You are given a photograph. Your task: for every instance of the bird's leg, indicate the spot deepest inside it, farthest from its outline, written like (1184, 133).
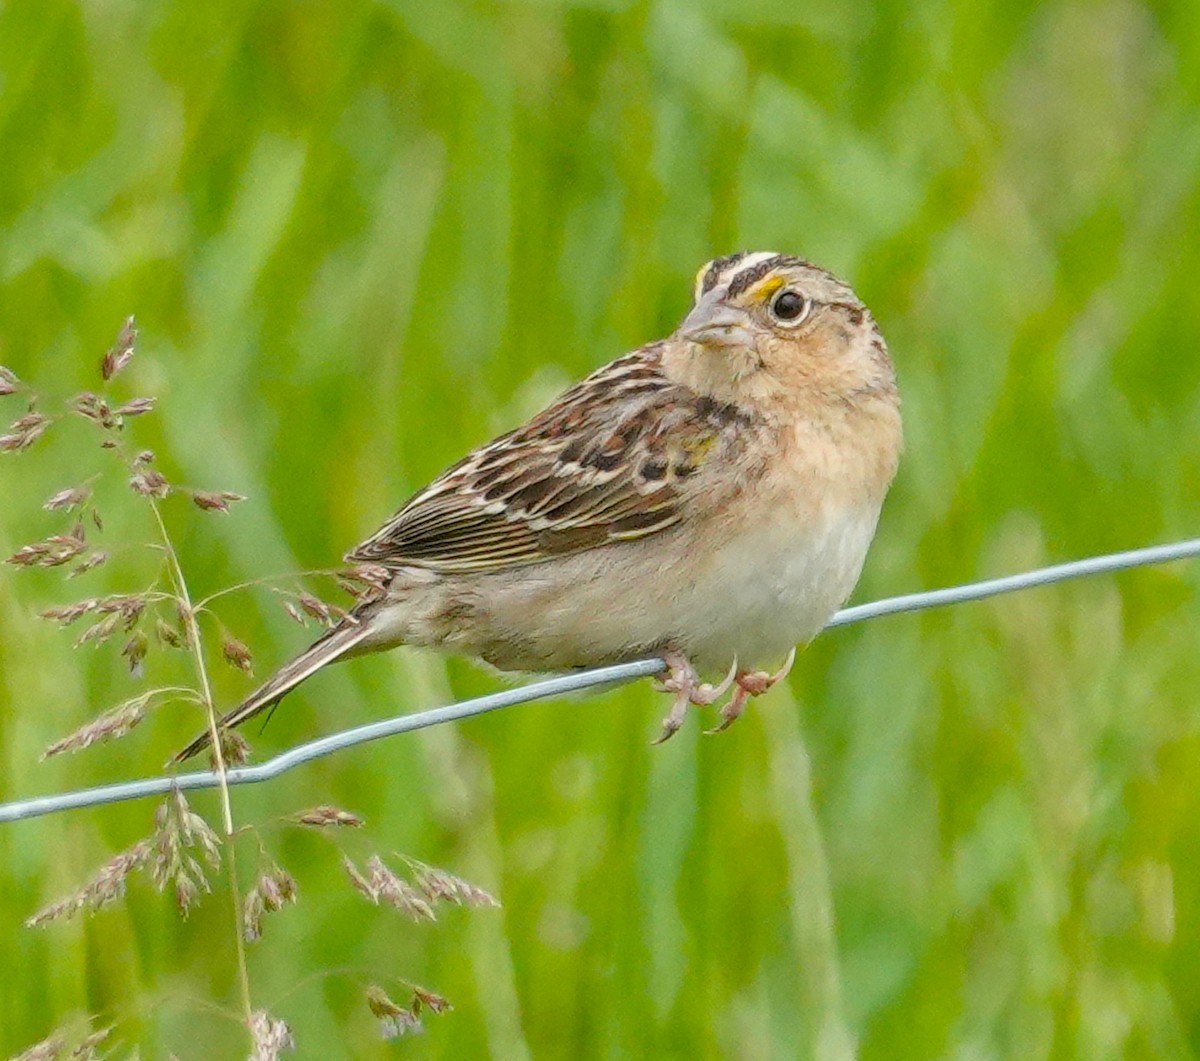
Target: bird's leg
(746, 685)
(684, 682)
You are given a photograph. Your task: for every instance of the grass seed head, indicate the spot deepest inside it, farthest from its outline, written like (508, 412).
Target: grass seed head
(237, 654)
(9, 384)
(112, 724)
(135, 407)
(215, 500)
(149, 483)
(438, 886)
(24, 432)
(121, 352)
(273, 890)
(93, 559)
(325, 815)
(54, 551)
(105, 886)
(167, 634)
(70, 498)
(270, 1035)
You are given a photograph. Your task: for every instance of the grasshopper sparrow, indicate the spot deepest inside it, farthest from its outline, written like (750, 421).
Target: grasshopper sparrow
(709, 498)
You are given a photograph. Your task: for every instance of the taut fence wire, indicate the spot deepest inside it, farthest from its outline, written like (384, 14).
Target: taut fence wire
(574, 682)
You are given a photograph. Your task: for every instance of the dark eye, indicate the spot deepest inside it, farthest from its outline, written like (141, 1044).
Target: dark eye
(789, 307)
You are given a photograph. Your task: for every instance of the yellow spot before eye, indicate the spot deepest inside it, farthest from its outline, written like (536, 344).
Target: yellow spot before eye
(767, 288)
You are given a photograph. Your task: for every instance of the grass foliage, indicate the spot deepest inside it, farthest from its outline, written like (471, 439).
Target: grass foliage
(360, 237)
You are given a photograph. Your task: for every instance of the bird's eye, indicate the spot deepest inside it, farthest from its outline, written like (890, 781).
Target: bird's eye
(790, 308)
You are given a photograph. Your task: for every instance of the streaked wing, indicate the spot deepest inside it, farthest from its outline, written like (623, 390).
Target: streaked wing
(608, 461)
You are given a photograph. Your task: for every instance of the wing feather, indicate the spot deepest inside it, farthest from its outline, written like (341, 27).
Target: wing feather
(609, 461)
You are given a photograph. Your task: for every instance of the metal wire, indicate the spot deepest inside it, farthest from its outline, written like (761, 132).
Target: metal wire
(587, 679)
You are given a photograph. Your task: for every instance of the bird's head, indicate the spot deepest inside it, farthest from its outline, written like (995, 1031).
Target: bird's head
(767, 325)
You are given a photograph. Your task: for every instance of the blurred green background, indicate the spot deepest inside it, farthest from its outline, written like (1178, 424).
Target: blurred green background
(362, 237)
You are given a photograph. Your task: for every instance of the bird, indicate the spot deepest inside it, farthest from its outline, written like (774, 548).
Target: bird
(708, 498)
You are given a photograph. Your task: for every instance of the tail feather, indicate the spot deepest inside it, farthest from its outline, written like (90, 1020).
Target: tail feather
(336, 643)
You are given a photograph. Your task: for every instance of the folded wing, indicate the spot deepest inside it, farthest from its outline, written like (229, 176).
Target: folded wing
(609, 461)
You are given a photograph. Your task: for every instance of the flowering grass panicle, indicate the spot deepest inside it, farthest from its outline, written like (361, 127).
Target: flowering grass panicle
(183, 853)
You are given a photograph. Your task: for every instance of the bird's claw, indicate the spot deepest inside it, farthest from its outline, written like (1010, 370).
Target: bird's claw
(683, 681)
(758, 682)
(732, 709)
(750, 683)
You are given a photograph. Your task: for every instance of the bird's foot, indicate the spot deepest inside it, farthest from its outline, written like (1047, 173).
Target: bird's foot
(683, 681)
(748, 684)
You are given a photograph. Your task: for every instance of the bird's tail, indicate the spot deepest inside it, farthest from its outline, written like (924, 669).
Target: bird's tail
(331, 646)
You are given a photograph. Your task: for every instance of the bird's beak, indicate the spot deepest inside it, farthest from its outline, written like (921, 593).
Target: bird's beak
(713, 324)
